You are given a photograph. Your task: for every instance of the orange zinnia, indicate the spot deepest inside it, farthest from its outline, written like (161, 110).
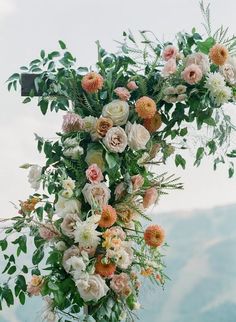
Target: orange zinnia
(92, 82)
(153, 124)
(154, 235)
(104, 270)
(108, 217)
(145, 107)
(219, 54)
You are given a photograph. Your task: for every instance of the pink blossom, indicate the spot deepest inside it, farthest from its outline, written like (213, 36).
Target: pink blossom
(137, 181)
(48, 232)
(94, 173)
(122, 93)
(119, 190)
(132, 86)
(150, 197)
(119, 283)
(169, 52)
(192, 74)
(169, 67)
(72, 123)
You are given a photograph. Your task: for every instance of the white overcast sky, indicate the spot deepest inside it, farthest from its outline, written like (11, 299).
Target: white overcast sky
(27, 26)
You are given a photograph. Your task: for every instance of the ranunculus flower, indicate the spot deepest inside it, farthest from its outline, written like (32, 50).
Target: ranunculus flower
(117, 110)
(92, 82)
(48, 231)
(103, 124)
(98, 194)
(72, 123)
(92, 289)
(199, 59)
(169, 67)
(137, 182)
(219, 54)
(94, 173)
(122, 93)
(169, 52)
(34, 176)
(95, 156)
(154, 236)
(105, 270)
(115, 139)
(150, 197)
(192, 74)
(145, 107)
(68, 225)
(138, 136)
(119, 282)
(35, 285)
(132, 86)
(108, 217)
(153, 124)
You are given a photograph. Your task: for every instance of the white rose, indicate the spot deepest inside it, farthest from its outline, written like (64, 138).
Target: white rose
(73, 153)
(115, 139)
(68, 184)
(65, 206)
(61, 246)
(138, 136)
(76, 264)
(96, 194)
(89, 123)
(34, 176)
(118, 111)
(92, 289)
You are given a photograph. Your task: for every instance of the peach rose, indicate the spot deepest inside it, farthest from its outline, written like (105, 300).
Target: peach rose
(122, 93)
(97, 193)
(132, 86)
(169, 52)
(150, 197)
(119, 282)
(192, 74)
(94, 173)
(103, 124)
(35, 285)
(169, 67)
(116, 139)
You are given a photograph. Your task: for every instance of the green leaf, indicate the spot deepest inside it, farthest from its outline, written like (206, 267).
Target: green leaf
(62, 44)
(179, 160)
(53, 286)
(231, 170)
(42, 54)
(3, 244)
(210, 121)
(43, 106)
(38, 255)
(199, 156)
(11, 270)
(8, 296)
(205, 46)
(22, 298)
(26, 100)
(13, 77)
(111, 160)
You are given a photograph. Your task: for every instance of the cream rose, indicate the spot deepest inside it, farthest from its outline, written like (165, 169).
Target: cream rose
(98, 194)
(138, 136)
(118, 111)
(115, 139)
(93, 288)
(65, 206)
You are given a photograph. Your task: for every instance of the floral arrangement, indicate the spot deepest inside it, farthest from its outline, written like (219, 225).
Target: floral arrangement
(123, 117)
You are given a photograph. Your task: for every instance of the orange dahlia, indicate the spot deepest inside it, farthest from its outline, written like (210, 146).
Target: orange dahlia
(145, 107)
(104, 270)
(154, 123)
(219, 54)
(108, 217)
(92, 82)
(154, 235)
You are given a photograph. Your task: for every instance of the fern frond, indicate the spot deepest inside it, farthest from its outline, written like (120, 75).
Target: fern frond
(206, 16)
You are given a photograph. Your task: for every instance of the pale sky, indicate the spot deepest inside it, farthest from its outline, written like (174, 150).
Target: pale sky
(27, 26)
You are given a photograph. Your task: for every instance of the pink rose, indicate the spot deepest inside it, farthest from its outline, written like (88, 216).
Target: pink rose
(122, 93)
(169, 67)
(72, 123)
(48, 232)
(137, 181)
(150, 197)
(192, 74)
(132, 86)
(169, 52)
(119, 283)
(94, 173)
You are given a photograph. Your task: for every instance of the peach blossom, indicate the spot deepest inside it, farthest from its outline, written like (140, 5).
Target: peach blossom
(132, 86)
(137, 181)
(122, 93)
(94, 173)
(169, 68)
(150, 197)
(192, 74)
(169, 52)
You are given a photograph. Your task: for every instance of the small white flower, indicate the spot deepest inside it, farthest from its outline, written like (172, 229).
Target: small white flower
(68, 184)
(136, 306)
(76, 264)
(70, 142)
(87, 235)
(61, 246)
(34, 176)
(223, 96)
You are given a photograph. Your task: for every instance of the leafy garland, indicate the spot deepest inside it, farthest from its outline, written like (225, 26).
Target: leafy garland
(134, 112)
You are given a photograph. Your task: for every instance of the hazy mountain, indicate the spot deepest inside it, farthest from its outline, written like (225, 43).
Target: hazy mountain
(201, 263)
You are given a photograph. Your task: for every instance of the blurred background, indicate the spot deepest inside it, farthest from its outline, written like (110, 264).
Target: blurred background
(200, 221)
